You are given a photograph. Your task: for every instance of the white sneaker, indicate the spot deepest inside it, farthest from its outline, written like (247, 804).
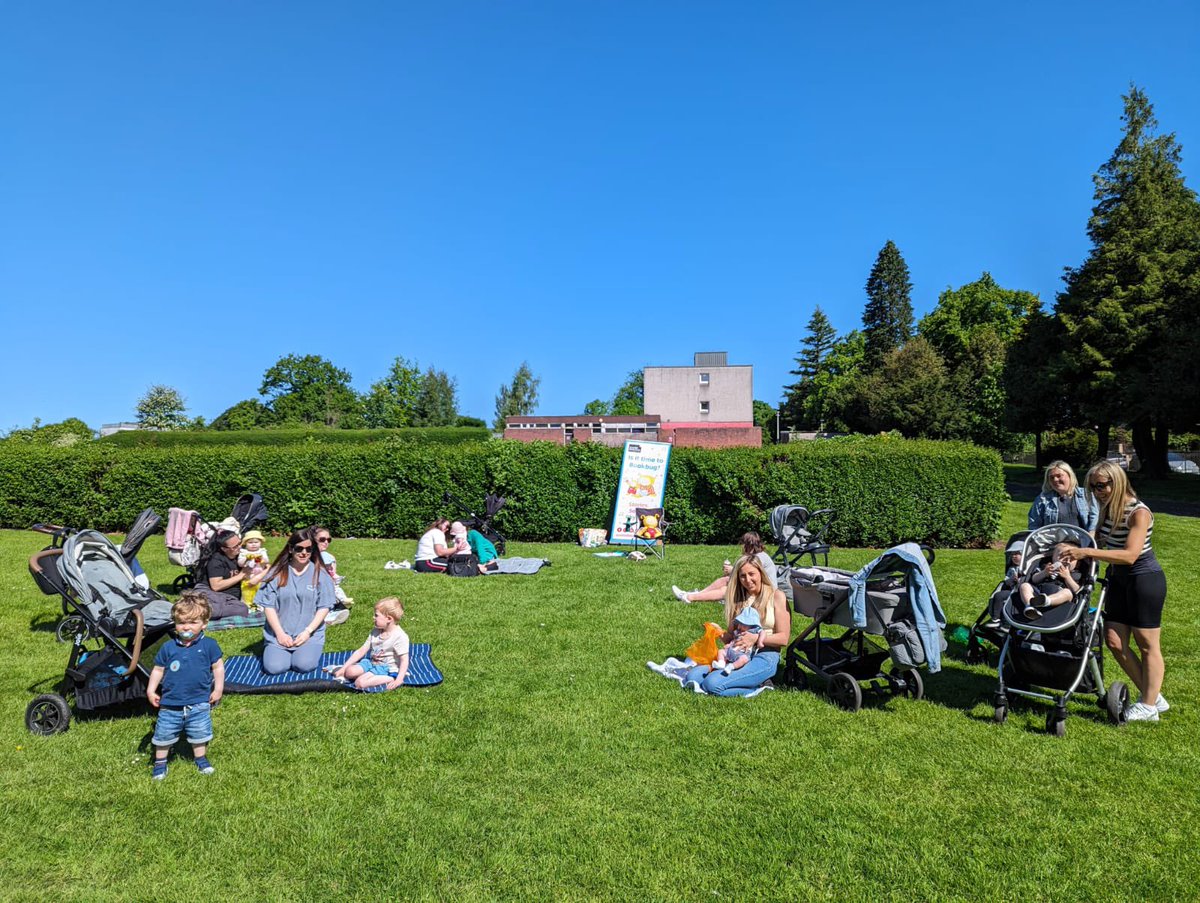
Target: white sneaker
(341, 616)
(1161, 705)
(391, 566)
(1139, 711)
(404, 566)
(679, 594)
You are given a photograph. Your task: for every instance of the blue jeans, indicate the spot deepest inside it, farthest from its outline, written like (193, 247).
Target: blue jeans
(749, 677)
(304, 658)
(196, 720)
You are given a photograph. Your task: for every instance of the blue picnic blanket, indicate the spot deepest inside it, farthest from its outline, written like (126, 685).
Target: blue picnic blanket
(244, 674)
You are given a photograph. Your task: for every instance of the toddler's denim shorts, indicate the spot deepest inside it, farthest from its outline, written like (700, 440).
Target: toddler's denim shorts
(195, 720)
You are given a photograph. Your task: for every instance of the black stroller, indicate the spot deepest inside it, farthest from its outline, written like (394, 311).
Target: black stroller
(492, 504)
(851, 662)
(110, 620)
(1057, 649)
(187, 540)
(990, 627)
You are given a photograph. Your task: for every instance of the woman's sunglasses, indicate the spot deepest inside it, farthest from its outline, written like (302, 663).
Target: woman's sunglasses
(302, 550)
(1095, 486)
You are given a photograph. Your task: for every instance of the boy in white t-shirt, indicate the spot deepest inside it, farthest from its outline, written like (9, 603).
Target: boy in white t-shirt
(383, 658)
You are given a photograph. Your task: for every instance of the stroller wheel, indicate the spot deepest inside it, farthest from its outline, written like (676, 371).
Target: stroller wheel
(914, 687)
(47, 714)
(1001, 714)
(845, 692)
(182, 582)
(1056, 724)
(1115, 701)
(73, 628)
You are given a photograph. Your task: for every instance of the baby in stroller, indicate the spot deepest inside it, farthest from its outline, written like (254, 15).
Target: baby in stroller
(729, 659)
(1055, 583)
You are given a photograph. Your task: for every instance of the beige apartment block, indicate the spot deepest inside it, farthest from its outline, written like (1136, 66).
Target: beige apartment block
(710, 391)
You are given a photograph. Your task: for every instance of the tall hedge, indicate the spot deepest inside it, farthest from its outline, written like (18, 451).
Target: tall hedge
(884, 490)
(437, 435)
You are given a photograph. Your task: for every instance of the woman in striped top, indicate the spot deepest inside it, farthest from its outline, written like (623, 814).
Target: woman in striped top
(1137, 587)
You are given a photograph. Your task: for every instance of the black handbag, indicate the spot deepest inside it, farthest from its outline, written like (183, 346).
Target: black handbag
(462, 566)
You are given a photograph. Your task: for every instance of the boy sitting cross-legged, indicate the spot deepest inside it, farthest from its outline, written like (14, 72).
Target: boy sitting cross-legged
(192, 676)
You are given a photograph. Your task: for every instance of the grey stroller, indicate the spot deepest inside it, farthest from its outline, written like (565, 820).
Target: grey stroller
(1057, 650)
(110, 620)
(885, 614)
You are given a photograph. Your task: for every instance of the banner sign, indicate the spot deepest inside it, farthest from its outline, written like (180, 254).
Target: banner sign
(642, 483)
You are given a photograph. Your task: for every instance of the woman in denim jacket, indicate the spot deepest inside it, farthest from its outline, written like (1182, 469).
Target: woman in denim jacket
(1063, 501)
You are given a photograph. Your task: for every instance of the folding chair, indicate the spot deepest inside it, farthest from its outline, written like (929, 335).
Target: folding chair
(651, 528)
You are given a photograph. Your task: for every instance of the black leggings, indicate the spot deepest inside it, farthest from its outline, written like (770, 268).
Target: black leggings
(1135, 600)
(430, 565)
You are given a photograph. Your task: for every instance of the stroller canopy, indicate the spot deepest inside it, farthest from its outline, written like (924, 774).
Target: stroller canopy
(249, 511)
(147, 522)
(101, 580)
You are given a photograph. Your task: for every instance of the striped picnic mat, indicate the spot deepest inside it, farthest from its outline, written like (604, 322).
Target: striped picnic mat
(244, 674)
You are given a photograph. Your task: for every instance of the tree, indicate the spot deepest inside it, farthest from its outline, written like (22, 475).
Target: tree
(910, 393)
(801, 407)
(1122, 308)
(971, 328)
(977, 307)
(518, 398)
(436, 403)
(250, 414)
(392, 400)
(764, 419)
(598, 407)
(310, 389)
(1033, 380)
(162, 408)
(630, 399)
(834, 394)
(888, 317)
(62, 435)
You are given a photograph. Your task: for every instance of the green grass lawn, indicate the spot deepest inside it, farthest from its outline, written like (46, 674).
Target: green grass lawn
(552, 765)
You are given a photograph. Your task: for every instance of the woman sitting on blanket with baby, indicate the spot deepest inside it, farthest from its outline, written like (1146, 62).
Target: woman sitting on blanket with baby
(750, 589)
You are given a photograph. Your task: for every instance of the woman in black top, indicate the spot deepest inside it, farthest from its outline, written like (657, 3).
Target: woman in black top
(219, 570)
(1137, 587)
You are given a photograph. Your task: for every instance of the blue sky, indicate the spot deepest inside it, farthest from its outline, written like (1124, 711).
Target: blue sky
(192, 190)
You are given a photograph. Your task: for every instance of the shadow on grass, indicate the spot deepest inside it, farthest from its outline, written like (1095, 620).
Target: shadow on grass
(45, 622)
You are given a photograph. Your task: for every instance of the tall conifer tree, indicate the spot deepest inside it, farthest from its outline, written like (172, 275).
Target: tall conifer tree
(888, 317)
(801, 405)
(1123, 307)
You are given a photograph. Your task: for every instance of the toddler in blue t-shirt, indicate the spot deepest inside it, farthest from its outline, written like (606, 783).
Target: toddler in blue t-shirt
(192, 676)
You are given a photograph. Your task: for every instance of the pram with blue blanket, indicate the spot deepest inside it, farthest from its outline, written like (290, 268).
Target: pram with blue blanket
(886, 614)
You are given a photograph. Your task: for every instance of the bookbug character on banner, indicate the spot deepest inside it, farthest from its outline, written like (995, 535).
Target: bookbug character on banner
(642, 484)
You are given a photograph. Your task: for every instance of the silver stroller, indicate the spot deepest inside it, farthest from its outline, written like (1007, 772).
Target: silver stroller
(1059, 651)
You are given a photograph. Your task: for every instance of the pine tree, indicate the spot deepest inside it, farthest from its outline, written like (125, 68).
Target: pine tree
(801, 406)
(888, 316)
(1123, 307)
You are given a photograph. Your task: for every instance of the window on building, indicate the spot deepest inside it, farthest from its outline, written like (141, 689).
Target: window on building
(704, 379)
(704, 407)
